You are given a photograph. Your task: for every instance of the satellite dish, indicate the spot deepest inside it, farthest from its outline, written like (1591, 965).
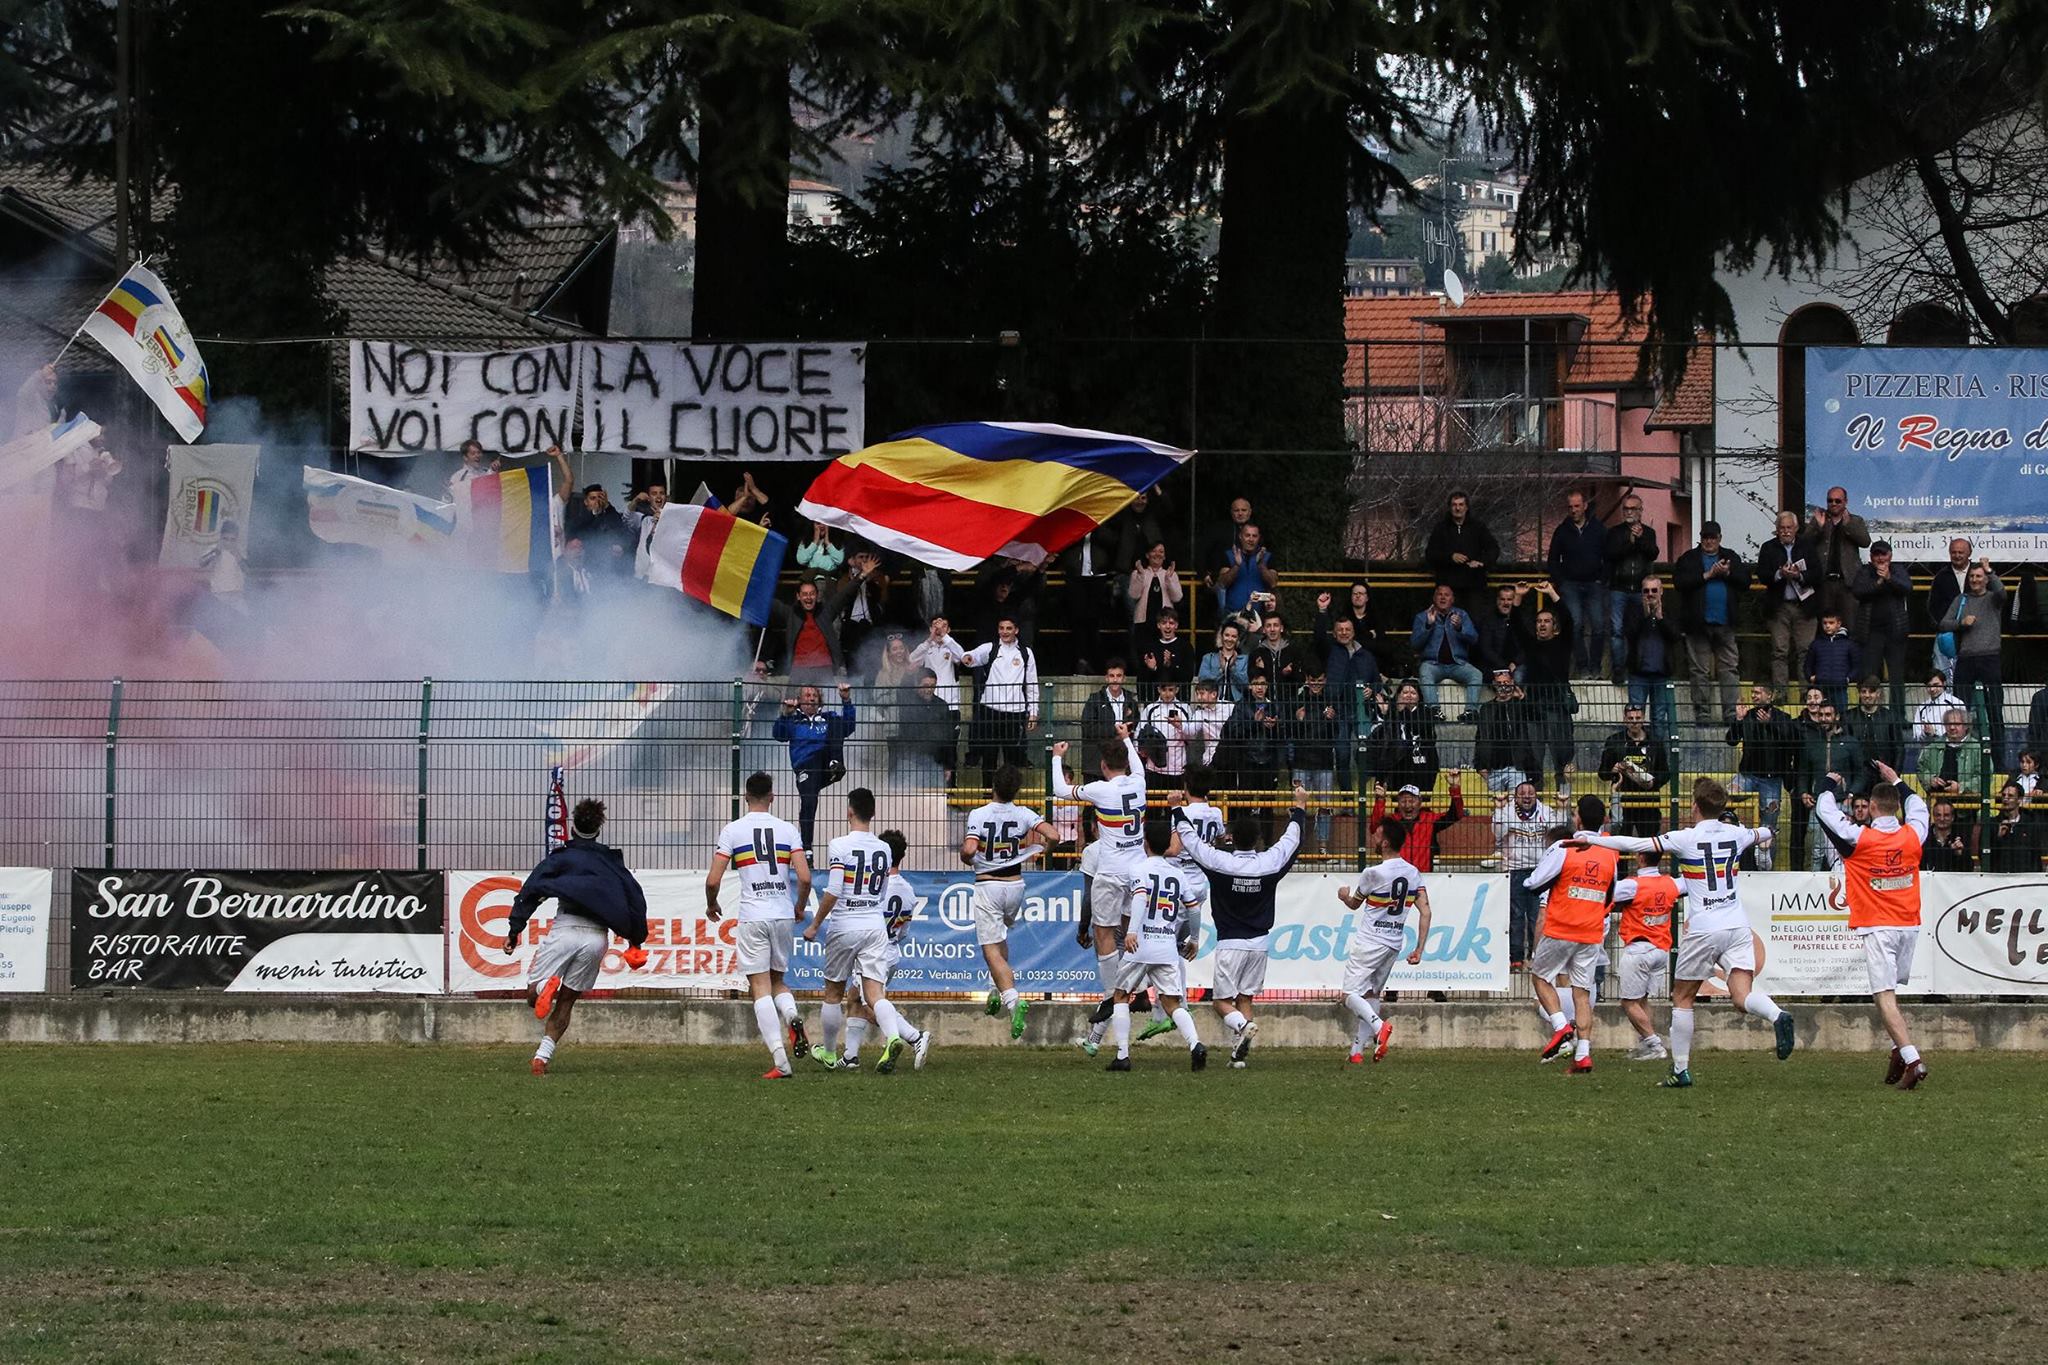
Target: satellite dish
(1454, 288)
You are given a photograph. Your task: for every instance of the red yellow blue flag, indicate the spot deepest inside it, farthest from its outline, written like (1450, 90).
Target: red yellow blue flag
(139, 326)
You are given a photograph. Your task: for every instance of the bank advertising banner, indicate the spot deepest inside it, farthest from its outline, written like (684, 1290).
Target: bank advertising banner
(1467, 948)
(24, 928)
(286, 932)
(1933, 443)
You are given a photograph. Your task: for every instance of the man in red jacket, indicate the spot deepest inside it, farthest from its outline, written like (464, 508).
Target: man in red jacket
(1423, 826)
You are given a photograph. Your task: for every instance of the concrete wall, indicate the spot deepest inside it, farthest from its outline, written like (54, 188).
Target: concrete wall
(1502, 1024)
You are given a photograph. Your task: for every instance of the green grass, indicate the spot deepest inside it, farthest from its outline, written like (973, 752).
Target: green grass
(176, 1170)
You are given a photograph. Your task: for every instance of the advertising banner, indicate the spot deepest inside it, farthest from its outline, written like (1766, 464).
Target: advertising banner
(293, 932)
(728, 400)
(1984, 935)
(1467, 947)
(24, 928)
(1933, 443)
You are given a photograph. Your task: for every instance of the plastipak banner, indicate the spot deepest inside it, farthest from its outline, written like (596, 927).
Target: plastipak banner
(1979, 934)
(1467, 948)
(287, 932)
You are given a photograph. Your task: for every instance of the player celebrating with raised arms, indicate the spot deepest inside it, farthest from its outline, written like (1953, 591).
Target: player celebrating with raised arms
(1386, 891)
(1580, 879)
(1247, 880)
(775, 883)
(595, 897)
(1119, 802)
(857, 944)
(1716, 928)
(1155, 943)
(1881, 878)
(1001, 837)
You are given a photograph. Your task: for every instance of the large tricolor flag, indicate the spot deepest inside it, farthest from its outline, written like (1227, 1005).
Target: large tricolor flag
(141, 329)
(953, 495)
(507, 520)
(718, 559)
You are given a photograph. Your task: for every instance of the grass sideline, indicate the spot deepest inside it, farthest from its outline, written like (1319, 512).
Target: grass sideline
(438, 1202)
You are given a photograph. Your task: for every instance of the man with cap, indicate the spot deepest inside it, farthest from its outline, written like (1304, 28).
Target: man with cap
(1711, 580)
(1422, 827)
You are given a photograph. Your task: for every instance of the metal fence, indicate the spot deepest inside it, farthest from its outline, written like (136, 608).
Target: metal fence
(453, 774)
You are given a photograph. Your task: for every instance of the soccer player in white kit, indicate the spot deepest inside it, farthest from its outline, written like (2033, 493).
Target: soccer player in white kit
(1715, 929)
(1001, 837)
(1386, 891)
(1155, 944)
(1207, 822)
(1119, 803)
(899, 908)
(857, 944)
(768, 854)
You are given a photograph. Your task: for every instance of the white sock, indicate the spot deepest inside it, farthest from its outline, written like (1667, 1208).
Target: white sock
(1650, 1037)
(1557, 1019)
(1120, 1023)
(770, 1025)
(1762, 1006)
(1234, 1021)
(1542, 1013)
(1096, 1030)
(1363, 1008)
(785, 1005)
(1010, 998)
(856, 1029)
(546, 1050)
(833, 1018)
(893, 1022)
(1158, 1010)
(1681, 1039)
(1185, 1022)
(1105, 972)
(1909, 1054)
(1582, 1049)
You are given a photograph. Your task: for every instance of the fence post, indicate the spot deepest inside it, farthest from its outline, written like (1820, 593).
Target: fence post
(113, 738)
(1677, 755)
(739, 726)
(1358, 772)
(420, 793)
(1981, 703)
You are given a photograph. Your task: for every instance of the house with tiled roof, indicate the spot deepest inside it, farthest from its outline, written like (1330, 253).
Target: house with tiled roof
(1520, 398)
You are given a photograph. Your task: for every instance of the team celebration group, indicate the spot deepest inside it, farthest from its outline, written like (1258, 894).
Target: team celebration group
(1152, 871)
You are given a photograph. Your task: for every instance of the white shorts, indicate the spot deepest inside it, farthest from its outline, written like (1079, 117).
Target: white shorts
(892, 960)
(1109, 901)
(863, 952)
(573, 949)
(1888, 953)
(1367, 968)
(1558, 956)
(765, 945)
(995, 907)
(1133, 976)
(1645, 969)
(1239, 973)
(1698, 954)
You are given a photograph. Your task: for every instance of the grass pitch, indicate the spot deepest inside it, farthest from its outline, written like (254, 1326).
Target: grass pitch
(201, 1203)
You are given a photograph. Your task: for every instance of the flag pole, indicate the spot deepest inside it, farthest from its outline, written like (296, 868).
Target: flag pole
(79, 330)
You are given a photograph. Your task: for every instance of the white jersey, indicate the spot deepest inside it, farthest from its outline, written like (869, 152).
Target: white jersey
(1207, 822)
(1389, 890)
(1707, 855)
(760, 848)
(1159, 901)
(1119, 814)
(1091, 858)
(899, 906)
(858, 875)
(999, 830)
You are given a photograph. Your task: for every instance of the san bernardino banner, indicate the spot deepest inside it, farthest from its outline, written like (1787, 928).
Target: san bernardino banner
(24, 928)
(1467, 949)
(288, 932)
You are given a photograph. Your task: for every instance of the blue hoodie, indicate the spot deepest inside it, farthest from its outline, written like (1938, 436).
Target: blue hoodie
(589, 879)
(811, 738)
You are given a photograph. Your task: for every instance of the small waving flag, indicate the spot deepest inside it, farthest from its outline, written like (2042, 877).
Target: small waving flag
(718, 559)
(953, 495)
(508, 520)
(139, 326)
